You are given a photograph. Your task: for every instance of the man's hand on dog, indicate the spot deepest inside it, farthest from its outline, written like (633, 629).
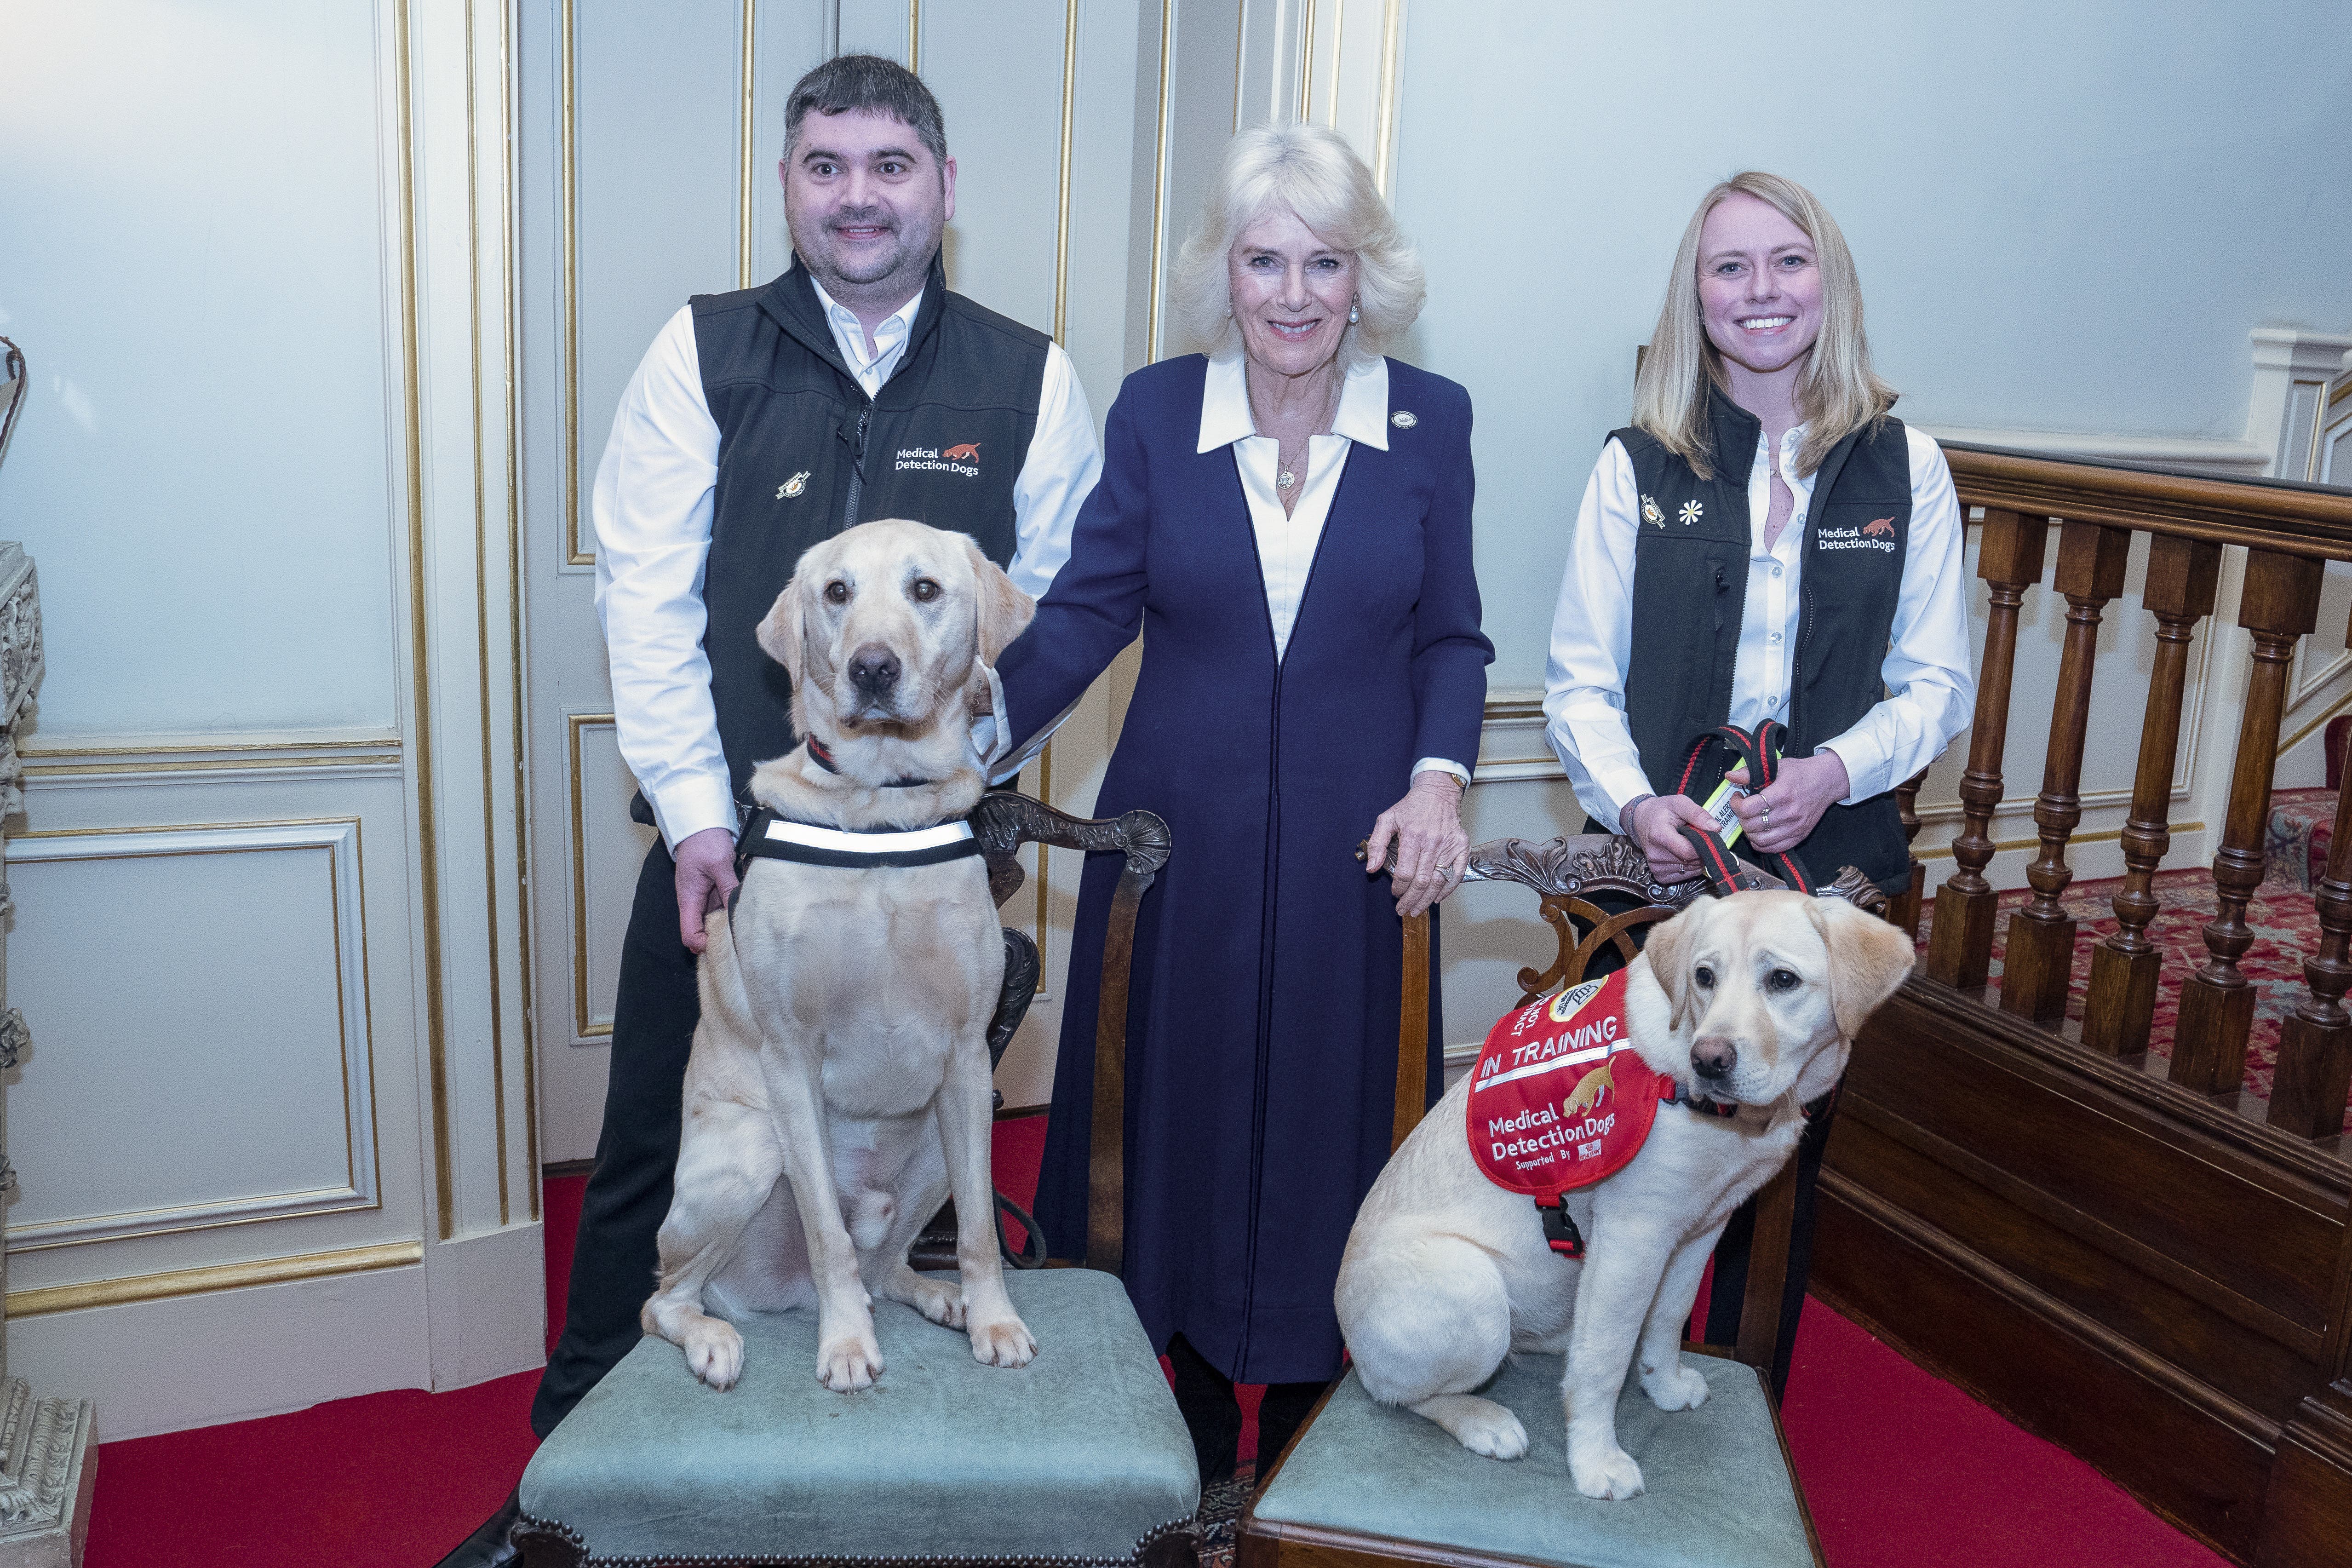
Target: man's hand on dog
(1431, 849)
(706, 875)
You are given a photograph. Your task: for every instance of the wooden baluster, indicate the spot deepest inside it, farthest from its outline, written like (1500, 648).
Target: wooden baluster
(2315, 1059)
(2009, 558)
(1905, 910)
(2040, 956)
(2121, 1007)
(2279, 603)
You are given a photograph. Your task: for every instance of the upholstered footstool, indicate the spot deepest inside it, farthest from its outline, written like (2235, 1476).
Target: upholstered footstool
(1079, 1458)
(1366, 1483)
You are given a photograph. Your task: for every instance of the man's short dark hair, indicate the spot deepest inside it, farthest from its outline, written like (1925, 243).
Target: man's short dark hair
(872, 84)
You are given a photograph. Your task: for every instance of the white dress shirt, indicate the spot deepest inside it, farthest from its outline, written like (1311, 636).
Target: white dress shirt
(651, 507)
(1285, 541)
(1926, 671)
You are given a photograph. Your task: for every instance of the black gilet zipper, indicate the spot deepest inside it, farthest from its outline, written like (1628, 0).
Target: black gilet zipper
(858, 467)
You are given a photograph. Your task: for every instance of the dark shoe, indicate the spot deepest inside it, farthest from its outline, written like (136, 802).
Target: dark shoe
(492, 1545)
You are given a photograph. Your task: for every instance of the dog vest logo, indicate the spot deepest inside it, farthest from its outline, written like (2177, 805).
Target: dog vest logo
(1877, 534)
(1560, 1098)
(793, 486)
(962, 459)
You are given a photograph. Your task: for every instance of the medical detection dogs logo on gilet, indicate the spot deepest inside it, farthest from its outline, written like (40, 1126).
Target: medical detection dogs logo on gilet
(1560, 1098)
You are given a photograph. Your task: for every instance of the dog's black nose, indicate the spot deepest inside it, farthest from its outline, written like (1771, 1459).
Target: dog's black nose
(1714, 1059)
(874, 670)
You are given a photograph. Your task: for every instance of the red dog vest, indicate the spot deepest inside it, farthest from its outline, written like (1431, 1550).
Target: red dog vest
(1560, 1098)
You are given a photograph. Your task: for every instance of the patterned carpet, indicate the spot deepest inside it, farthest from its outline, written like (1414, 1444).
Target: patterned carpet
(2285, 925)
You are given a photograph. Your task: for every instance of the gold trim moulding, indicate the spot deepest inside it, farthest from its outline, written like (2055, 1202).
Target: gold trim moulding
(583, 1028)
(215, 1276)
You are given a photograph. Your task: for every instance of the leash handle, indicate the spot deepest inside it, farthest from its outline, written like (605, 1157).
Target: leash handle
(1760, 751)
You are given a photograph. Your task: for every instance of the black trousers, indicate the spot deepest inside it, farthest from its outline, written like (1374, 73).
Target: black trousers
(1212, 1413)
(1728, 1292)
(628, 1194)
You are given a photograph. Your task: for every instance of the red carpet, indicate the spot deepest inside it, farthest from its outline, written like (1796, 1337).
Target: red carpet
(1902, 1471)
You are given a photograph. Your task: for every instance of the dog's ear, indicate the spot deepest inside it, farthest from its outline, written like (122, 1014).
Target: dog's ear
(1869, 958)
(780, 630)
(1663, 949)
(1003, 612)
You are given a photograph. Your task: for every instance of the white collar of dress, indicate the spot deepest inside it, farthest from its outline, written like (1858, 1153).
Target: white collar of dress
(1362, 415)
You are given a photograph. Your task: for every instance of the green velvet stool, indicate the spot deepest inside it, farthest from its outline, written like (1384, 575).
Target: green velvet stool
(1078, 1457)
(1367, 1483)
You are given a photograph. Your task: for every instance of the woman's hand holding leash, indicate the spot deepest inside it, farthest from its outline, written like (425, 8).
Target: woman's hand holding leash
(1433, 850)
(1779, 817)
(1653, 823)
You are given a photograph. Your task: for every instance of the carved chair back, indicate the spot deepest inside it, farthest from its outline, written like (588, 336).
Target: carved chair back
(1003, 821)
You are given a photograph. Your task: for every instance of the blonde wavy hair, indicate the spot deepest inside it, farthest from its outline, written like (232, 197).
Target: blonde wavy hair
(1837, 391)
(1312, 171)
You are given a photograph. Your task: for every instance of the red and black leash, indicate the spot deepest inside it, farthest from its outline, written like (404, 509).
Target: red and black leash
(1761, 750)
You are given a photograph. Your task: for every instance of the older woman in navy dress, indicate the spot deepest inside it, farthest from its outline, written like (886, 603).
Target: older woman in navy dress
(1287, 521)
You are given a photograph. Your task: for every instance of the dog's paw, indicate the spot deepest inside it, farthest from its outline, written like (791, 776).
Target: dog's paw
(1684, 1388)
(1614, 1477)
(714, 1352)
(850, 1363)
(1006, 1342)
(936, 1299)
(1496, 1433)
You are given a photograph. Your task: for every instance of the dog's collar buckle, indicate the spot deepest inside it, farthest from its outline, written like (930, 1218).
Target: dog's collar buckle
(1559, 1227)
(821, 755)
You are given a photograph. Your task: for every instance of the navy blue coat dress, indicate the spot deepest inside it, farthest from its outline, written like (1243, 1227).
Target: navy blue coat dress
(1262, 1022)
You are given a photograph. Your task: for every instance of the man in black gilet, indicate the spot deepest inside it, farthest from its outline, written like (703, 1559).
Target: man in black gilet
(854, 386)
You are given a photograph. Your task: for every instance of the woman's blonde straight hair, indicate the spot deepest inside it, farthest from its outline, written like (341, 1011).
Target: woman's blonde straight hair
(1837, 391)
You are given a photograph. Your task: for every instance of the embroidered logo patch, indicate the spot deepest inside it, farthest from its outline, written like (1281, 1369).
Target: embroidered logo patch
(1692, 511)
(1857, 538)
(1404, 420)
(963, 459)
(1651, 514)
(792, 485)
(1560, 1098)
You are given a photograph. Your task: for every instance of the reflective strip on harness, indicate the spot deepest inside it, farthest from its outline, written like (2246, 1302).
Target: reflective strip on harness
(770, 837)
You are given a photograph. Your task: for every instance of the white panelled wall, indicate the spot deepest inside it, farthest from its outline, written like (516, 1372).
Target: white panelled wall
(327, 857)
(276, 1132)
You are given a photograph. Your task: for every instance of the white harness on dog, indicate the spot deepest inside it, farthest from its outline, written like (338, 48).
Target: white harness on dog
(768, 836)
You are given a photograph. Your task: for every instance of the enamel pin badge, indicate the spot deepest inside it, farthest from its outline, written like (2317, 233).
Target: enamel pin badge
(1651, 514)
(792, 485)
(1404, 420)
(1692, 511)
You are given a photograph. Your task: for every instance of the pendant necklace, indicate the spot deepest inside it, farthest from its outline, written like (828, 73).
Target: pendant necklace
(1284, 480)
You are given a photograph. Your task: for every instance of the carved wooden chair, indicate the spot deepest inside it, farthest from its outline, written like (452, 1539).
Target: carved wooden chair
(1079, 1457)
(1365, 1484)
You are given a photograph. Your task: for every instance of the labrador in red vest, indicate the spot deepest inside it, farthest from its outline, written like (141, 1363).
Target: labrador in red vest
(1747, 1005)
(837, 1091)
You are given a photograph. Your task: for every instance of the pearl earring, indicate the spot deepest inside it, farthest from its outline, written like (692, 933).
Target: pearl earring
(1354, 315)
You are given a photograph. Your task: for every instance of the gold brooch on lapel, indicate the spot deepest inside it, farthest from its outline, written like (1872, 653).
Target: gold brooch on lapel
(1404, 420)
(792, 485)
(1692, 511)
(1651, 514)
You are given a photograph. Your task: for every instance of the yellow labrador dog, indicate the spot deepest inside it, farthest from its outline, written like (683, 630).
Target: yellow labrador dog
(1753, 999)
(838, 1088)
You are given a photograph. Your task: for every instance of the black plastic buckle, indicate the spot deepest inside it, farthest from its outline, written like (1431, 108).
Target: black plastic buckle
(1559, 1227)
